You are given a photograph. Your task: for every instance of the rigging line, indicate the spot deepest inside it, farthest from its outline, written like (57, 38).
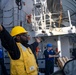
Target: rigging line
(9, 16)
(19, 4)
(18, 17)
(10, 9)
(60, 17)
(5, 4)
(24, 12)
(9, 23)
(71, 2)
(69, 8)
(74, 1)
(73, 14)
(7, 10)
(67, 17)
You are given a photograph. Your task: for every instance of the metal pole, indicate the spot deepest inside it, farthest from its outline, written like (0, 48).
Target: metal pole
(69, 19)
(59, 45)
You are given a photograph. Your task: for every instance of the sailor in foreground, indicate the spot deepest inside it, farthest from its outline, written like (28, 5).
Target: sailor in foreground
(22, 59)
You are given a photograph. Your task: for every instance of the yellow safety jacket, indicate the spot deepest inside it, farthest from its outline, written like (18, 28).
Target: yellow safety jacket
(26, 64)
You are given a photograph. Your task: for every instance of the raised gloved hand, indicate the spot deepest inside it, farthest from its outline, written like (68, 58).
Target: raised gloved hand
(38, 39)
(1, 28)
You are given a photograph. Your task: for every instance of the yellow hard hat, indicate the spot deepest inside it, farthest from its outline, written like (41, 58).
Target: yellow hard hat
(17, 30)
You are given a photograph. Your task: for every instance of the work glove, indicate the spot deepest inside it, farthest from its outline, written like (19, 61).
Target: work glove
(1, 28)
(38, 39)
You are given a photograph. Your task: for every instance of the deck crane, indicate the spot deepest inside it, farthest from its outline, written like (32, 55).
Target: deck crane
(41, 18)
(45, 21)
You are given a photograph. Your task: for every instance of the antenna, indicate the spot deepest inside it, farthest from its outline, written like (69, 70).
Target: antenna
(69, 19)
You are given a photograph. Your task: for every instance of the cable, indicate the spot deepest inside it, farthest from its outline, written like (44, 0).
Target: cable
(19, 4)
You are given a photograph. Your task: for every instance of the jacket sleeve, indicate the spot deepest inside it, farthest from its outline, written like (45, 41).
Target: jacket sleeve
(9, 44)
(34, 46)
(46, 54)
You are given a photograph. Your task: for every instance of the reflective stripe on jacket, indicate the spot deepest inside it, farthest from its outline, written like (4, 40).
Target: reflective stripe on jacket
(26, 64)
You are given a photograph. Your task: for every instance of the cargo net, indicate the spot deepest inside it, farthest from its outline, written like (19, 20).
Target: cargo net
(61, 61)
